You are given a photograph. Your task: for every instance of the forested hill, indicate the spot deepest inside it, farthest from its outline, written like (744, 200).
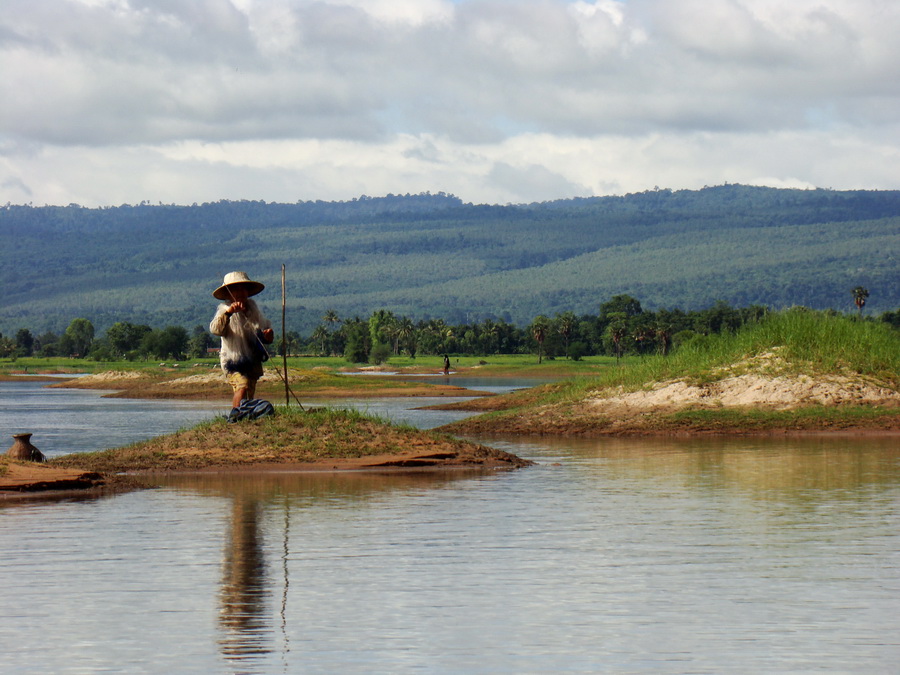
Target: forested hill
(431, 255)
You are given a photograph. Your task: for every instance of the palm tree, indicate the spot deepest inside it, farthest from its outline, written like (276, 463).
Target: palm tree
(641, 335)
(491, 333)
(565, 326)
(321, 335)
(539, 329)
(392, 332)
(437, 336)
(663, 337)
(331, 319)
(616, 332)
(859, 298)
(291, 343)
(405, 333)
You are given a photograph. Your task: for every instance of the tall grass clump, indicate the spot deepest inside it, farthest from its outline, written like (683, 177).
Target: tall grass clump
(802, 340)
(828, 343)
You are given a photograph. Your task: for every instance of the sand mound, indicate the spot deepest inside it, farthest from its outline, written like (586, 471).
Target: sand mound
(759, 380)
(111, 376)
(193, 380)
(751, 389)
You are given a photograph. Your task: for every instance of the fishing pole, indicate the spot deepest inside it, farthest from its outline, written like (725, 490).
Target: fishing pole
(284, 378)
(287, 401)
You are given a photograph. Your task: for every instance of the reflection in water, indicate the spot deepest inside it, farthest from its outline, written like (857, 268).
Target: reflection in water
(243, 615)
(802, 468)
(247, 607)
(308, 488)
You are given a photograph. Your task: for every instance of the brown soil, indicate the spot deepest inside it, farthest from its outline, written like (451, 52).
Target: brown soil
(30, 477)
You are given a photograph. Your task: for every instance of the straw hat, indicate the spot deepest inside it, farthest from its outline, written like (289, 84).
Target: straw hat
(237, 279)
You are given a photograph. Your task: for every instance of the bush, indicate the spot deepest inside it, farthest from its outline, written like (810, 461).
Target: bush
(101, 351)
(380, 353)
(683, 337)
(355, 351)
(578, 350)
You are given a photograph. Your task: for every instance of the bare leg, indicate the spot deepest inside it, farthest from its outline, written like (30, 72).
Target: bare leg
(239, 396)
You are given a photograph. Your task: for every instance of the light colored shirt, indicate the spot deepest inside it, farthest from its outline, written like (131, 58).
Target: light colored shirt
(242, 343)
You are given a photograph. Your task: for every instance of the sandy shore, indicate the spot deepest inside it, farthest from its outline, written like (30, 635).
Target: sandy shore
(20, 478)
(28, 481)
(25, 480)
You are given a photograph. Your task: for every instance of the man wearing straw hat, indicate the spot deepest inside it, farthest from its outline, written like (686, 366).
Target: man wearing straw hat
(244, 332)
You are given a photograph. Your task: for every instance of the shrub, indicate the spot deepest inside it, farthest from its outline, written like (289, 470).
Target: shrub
(380, 353)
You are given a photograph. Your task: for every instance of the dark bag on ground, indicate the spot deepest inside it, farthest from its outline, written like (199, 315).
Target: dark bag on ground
(250, 410)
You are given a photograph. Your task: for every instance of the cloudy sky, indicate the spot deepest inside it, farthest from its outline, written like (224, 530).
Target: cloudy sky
(106, 102)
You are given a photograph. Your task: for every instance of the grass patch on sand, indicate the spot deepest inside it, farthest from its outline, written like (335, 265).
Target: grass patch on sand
(783, 343)
(819, 348)
(290, 436)
(801, 341)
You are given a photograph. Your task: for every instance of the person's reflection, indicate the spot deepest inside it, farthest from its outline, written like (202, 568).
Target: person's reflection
(242, 615)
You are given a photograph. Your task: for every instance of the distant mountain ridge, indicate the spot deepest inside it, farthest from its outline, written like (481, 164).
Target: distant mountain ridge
(431, 255)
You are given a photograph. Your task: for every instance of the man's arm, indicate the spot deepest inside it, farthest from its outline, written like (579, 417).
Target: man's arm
(219, 324)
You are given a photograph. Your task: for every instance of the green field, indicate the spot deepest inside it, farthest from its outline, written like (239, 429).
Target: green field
(501, 365)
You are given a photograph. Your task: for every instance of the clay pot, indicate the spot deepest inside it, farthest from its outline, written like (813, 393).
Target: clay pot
(23, 449)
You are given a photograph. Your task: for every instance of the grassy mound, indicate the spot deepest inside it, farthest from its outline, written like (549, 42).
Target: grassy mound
(794, 370)
(292, 436)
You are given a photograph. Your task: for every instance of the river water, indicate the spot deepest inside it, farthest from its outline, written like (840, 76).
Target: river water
(717, 555)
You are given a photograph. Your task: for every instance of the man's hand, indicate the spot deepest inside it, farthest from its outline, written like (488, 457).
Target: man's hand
(236, 306)
(268, 335)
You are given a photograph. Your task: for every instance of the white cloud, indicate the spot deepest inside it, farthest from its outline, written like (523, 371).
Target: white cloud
(111, 101)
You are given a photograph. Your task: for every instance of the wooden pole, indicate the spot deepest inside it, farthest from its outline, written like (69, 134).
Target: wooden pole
(287, 400)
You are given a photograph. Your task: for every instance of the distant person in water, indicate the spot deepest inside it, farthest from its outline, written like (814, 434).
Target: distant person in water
(446, 365)
(245, 332)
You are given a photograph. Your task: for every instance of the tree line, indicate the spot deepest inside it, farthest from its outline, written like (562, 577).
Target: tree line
(621, 327)
(122, 341)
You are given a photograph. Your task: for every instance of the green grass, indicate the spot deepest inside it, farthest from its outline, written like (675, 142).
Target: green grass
(805, 341)
(69, 365)
(524, 365)
(494, 364)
